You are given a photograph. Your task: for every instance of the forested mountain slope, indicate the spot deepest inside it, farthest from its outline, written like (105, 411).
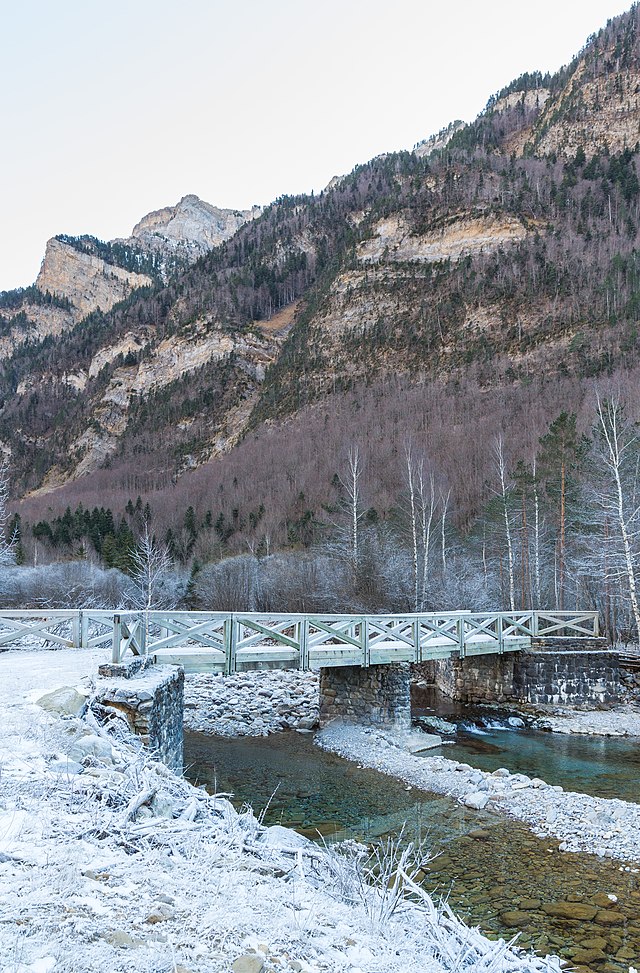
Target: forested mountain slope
(480, 284)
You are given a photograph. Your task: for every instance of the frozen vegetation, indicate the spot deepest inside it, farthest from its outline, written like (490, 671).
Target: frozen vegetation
(109, 862)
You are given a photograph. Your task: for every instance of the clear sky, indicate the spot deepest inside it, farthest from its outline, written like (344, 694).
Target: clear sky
(112, 109)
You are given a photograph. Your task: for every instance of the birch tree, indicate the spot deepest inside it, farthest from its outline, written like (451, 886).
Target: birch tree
(413, 511)
(501, 466)
(350, 482)
(150, 581)
(618, 447)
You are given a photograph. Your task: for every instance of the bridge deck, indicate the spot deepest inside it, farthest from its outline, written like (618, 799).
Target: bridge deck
(203, 659)
(228, 642)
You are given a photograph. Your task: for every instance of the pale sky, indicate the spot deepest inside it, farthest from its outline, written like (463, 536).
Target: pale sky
(112, 109)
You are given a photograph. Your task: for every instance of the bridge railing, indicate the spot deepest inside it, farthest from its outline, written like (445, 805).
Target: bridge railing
(228, 641)
(69, 628)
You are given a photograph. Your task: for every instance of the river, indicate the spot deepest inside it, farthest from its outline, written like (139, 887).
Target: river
(493, 871)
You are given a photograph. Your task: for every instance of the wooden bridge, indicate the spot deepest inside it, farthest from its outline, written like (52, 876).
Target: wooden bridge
(231, 641)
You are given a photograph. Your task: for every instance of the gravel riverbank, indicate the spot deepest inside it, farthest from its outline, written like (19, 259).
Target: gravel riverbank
(619, 721)
(608, 828)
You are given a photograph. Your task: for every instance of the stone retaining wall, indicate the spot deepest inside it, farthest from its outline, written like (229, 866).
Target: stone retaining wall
(152, 699)
(377, 695)
(544, 674)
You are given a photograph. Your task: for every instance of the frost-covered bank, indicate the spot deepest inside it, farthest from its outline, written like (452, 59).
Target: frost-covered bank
(617, 721)
(581, 823)
(251, 703)
(116, 864)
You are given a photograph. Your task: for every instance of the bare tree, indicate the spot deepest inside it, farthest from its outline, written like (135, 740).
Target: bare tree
(150, 583)
(7, 544)
(428, 507)
(413, 512)
(501, 465)
(536, 533)
(350, 482)
(444, 503)
(618, 444)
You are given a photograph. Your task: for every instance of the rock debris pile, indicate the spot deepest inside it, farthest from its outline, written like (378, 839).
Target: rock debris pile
(251, 703)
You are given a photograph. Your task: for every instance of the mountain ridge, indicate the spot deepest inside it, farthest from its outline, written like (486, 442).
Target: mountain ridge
(502, 259)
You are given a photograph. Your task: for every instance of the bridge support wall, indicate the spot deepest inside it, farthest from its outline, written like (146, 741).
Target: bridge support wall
(544, 674)
(152, 700)
(378, 695)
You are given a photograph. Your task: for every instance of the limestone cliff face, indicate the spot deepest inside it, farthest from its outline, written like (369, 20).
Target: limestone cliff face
(85, 280)
(191, 225)
(457, 236)
(593, 113)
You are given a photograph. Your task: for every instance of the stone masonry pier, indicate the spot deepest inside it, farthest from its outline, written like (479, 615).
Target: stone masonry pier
(547, 673)
(374, 696)
(152, 700)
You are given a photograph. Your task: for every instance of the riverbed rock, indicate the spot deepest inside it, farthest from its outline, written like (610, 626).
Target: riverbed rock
(91, 746)
(586, 956)
(515, 918)
(477, 800)
(570, 910)
(609, 917)
(249, 963)
(604, 901)
(65, 766)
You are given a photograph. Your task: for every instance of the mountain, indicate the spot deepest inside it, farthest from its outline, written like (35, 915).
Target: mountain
(478, 284)
(82, 274)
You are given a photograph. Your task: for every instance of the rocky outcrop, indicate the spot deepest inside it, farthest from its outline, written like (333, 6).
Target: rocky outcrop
(191, 225)
(177, 235)
(594, 114)
(84, 279)
(456, 236)
(435, 143)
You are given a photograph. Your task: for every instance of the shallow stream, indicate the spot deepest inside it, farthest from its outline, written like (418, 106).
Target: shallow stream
(597, 765)
(495, 873)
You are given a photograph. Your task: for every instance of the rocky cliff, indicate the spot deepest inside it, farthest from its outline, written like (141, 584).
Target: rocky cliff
(192, 226)
(88, 282)
(86, 275)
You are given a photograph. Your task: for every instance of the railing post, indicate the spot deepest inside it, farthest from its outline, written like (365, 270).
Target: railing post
(500, 630)
(364, 639)
(84, 630)
(303, 643)
(596, 625)
(461, 644)
(230, 642)
(75, 629)
(117, 639)
(142, 634)
(416, 639)
(534, 624)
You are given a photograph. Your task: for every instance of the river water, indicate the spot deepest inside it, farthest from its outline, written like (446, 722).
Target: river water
(493, 871)
(602, 766)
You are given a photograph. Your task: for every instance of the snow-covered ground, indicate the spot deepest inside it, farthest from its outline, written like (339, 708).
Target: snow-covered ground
(124, 867)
